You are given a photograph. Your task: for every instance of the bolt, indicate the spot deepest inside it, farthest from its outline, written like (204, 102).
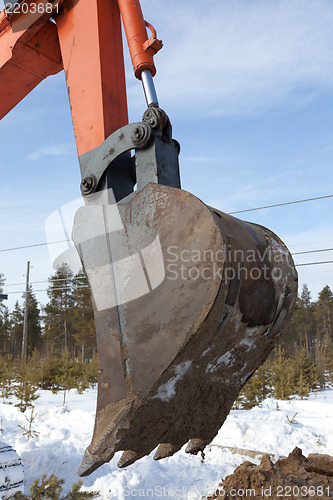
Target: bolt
(139, 133)
(154, 117)
(88, 184)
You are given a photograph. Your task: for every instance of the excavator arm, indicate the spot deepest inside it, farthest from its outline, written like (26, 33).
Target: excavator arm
(87, 33)
(188, 301)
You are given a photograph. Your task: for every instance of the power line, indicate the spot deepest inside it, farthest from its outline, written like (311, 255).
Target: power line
(257, 188)
(35, 245)
(275, 184)
(51, 280)
(258, 166)
(276, 155)
(49, 211)
(314, 263)
(281, 204)
(313, 251)
(53, 289)
(235, 164)
(326, 242)
(202, 178)
(55, 200)
(229, 213)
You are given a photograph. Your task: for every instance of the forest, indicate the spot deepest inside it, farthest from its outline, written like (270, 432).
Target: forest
(65, 323)
(62, 351)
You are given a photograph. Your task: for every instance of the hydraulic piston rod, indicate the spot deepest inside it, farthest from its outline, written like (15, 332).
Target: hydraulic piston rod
(149, 88)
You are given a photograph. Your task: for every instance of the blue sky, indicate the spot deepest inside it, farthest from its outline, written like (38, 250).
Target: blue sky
(248, 87)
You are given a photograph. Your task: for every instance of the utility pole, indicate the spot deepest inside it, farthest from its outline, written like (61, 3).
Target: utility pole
(25, 321)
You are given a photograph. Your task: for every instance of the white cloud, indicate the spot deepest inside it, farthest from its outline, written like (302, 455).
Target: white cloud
(240, 57)
(57, 150)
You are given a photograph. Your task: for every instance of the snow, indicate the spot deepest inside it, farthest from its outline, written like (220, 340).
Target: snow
(275, 427)
(226, 359)
(168, 390)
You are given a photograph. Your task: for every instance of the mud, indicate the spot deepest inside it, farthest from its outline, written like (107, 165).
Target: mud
(294, 477)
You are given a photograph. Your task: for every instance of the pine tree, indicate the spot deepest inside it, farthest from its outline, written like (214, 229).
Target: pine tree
(16, 320)
(83, 317)
(257, 388)
(307, 317)
(50, 365)
(58, 311)
(26, 389)
(51, 488)
(34, 339)
(5, 331)
(66, 378)
(34, 324)
(282, 375)
(4, 321)
(324, 312)
(306, 373)
(329, 361)
(302, 388)
(301, 328)
(6, 378)
(91, 370)
(80, 375)
(29, 432)
(2, 282)
(324, 332)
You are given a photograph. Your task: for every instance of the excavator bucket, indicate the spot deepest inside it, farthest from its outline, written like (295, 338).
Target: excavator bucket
(188, 303)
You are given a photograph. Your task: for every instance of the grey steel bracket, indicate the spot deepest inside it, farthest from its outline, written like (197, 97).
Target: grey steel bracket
(94, 163)
(158, 161)
(156, 155)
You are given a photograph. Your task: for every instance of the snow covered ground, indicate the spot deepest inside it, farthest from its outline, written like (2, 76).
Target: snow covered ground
(275, 427)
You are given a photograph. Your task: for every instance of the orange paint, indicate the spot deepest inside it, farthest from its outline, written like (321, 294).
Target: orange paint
(136, 34)
(92, 53)
(26, 58)
(86, 42)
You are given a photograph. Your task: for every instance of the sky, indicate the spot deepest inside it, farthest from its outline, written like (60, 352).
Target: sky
(248, 87)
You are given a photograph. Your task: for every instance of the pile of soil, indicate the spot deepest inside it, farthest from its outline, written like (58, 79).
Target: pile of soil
(294, 477)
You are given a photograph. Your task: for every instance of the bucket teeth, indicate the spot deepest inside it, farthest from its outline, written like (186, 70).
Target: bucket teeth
(195, 445)
(88, 464)
(128, 458)
(165, 450)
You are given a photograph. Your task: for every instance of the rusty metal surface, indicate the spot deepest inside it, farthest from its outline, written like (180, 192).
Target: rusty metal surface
(173, 359)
